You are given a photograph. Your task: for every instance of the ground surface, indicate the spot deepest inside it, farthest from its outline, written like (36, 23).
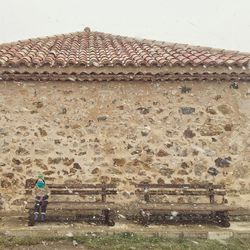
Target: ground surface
(15, 234)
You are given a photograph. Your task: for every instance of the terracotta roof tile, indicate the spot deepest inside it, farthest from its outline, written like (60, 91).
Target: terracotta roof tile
(96, 51)
(99, 49)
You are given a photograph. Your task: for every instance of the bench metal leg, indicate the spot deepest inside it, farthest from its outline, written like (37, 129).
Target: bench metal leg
(31, 220)
(108, 220)
(222, 218)
(144, 217)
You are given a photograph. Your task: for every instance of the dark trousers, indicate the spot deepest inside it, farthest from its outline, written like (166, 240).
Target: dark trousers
(41, 205)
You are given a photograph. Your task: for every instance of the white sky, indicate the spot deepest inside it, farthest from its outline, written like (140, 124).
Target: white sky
(215, 23)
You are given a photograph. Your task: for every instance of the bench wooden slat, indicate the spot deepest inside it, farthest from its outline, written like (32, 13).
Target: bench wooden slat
(180, 192)
(79, 192)
(75, 186)
(191, 186)
(75, 206)
(181, 207)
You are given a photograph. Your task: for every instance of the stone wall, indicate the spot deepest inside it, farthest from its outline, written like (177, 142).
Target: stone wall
(124, 133)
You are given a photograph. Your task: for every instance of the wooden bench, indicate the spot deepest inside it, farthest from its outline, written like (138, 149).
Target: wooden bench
(210, 209)
(69, 198)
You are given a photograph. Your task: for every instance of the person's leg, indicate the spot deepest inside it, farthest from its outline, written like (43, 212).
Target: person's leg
(43, 209)
(36, 208)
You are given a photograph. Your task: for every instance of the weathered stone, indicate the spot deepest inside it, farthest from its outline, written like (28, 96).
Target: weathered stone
(199, 169)
(48, 172)
(228, 127)
(102, 118)
(77, 166)
(213, 171)
(73, 170)
(225, 109)
(186, 110)
(138, 151)
(8, 175)
(3, 132)
(40, 164)
(65, 172)
(62, 111)
(119, 162)
(162, 153)
(18, 169)
(73, 182)
(188, 133)
(2, 164)
(220, 162)
(166, 172)
(159, 110)
(57, 141)
(19, 202)
(115, 180)
(121, 107)
(38, 104)
(242, 171)
(143, 110)
(145, 132)
(182, 152)
(22, 151)
(211, 111)
(16, 161)
(126, 194)
(211, 130)
(42, 132)
(184, 165)
(61, 133)
(67, 161)
(5, 184)
(178, 180)
(160, 181)
(217, 97)
(182, 172)
(82, 153)
(115, 171)
(42, 151)
(56, 160)
(185, 89)
(104, 179)
(148, 150)
(95, 171)
(27, 161)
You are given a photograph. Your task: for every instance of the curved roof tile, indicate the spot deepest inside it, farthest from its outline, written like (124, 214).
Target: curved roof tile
(98, 49)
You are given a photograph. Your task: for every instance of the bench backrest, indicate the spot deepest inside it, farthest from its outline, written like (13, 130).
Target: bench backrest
(208, 190)
(101, 189)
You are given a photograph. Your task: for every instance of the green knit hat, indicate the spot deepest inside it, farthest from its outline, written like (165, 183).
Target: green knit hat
(40, 176)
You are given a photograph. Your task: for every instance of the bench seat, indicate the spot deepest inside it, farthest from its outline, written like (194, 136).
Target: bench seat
(75, 205)
(184, 208)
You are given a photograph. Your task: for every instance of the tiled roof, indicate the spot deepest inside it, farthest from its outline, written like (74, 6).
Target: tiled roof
(95, 50)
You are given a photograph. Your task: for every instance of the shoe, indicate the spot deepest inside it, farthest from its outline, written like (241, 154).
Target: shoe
(43, 217)
(36, 217)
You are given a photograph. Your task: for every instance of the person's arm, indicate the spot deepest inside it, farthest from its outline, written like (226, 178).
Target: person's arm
(47, 190)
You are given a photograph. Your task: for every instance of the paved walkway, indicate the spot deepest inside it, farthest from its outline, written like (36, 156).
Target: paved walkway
(17, 226)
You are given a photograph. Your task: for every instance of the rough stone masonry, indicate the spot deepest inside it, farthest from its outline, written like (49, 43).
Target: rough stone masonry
(124, 133)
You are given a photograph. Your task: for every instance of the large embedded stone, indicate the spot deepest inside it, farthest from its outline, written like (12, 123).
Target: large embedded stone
(187, 110)
(22, 151)
(212, 171)
(119, 162)
(225, 109)
(188, 133)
